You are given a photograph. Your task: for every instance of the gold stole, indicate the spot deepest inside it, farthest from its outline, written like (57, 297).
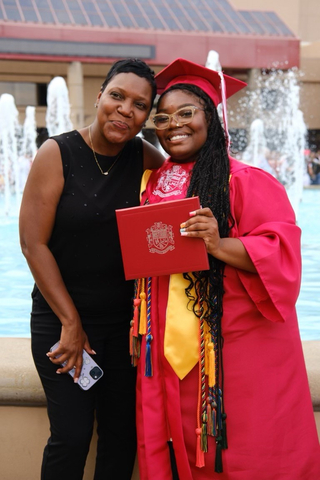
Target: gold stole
(181, 339)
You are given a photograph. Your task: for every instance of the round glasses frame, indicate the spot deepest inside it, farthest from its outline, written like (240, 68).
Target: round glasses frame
(177, 116)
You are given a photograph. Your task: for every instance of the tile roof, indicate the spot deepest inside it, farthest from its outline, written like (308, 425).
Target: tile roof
(207, 16)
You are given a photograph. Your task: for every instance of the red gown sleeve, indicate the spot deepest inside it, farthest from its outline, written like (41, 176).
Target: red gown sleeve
(265, 223)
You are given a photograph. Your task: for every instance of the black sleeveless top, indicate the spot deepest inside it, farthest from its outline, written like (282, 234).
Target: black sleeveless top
(85, 241)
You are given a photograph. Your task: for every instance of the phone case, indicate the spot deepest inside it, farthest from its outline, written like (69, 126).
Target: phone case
(90, 372)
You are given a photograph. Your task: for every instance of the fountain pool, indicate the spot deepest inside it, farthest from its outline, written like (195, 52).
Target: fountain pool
(16, 281)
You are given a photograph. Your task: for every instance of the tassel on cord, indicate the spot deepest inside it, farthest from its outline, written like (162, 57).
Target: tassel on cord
(218, 461)
(131, 348)
(200, 454)
(136, 304)
(204, 438)
(134, 341)
(148, 367)
(143, 310)
(209, 417)
(131, 338)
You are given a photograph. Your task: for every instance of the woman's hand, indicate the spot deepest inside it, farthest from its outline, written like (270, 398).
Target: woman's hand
(73, 340)
(203, 224)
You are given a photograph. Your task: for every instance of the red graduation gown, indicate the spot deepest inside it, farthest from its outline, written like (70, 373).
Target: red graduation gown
(270, 422)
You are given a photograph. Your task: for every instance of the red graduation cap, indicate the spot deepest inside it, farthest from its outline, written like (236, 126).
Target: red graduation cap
(216, 85)
(210, 81)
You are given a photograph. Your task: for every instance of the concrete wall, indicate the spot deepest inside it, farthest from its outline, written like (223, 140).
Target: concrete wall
(23, 418)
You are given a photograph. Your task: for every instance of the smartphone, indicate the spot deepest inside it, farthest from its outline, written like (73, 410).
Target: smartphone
(90, 372)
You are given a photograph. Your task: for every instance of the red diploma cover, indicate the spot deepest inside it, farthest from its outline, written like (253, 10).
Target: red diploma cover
(151, 243)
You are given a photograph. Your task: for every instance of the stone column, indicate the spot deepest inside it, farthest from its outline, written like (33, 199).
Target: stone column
(76, 96)
(253, 86)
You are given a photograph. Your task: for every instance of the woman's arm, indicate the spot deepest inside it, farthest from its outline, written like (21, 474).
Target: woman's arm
(231, 251)
(152, 158)
(37, 216)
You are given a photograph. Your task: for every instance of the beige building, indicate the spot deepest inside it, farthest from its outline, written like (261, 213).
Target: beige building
(303, 18)
(40, 42)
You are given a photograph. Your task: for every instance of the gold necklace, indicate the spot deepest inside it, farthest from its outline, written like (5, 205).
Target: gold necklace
(95, 157)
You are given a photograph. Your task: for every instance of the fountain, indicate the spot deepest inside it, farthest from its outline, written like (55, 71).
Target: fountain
(18, 143)
(28, 149)
(17, 149)
(58, 107)
(10, 131)
(277, 132)
(29, 146)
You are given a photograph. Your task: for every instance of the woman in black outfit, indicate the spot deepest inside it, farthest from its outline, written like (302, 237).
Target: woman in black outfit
(69, 237)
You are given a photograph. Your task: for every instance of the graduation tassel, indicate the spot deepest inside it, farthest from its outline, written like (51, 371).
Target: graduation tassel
(134, 349)
(131, 338)
(214, 420)
(131, 346)
(173, 461)
(204, 438)
(134, 343)
(209, 417)
(136, 305)
(199, 453)
(218, 461)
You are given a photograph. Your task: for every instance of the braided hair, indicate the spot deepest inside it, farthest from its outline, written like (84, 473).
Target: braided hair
(209, 181)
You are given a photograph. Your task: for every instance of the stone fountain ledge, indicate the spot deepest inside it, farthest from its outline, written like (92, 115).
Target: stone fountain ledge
(19, 381)
(20, 384)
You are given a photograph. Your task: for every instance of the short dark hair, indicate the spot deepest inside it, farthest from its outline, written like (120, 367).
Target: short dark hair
(132, 65)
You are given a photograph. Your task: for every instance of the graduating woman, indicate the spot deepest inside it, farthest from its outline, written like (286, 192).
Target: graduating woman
(222, 388)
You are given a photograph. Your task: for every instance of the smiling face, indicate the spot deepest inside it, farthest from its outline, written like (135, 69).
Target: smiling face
(123, 108)
(182, 143)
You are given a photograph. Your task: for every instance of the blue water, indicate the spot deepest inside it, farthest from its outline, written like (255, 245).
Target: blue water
(16, 281)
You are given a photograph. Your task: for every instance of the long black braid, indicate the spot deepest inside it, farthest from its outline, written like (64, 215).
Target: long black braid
(209, 181)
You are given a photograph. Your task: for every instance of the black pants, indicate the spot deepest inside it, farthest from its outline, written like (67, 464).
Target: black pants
(71, 410)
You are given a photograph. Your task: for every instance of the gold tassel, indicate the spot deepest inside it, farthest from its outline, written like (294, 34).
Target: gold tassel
(209, 418)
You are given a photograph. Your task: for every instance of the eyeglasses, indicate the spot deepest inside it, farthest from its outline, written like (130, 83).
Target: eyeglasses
(181, 117)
